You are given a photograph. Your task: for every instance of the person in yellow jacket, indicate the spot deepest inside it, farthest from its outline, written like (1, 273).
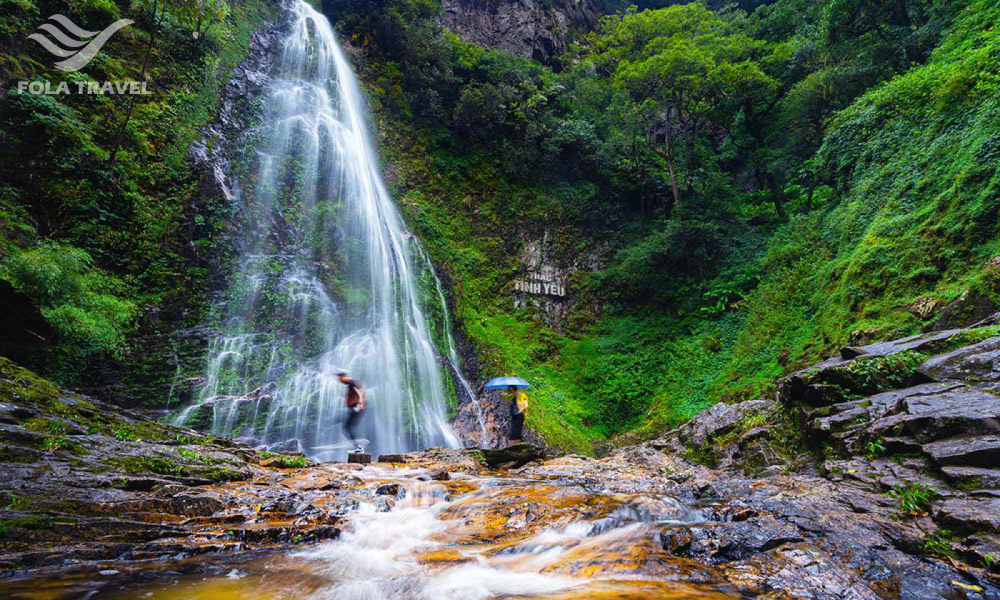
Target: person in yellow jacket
(518, 406)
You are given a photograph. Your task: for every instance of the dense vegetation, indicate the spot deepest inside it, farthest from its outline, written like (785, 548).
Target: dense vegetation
(760, 186)
(755, 184)
(102, 222)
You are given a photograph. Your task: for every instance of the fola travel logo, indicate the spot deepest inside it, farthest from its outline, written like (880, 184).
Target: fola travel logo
(64, 39)
(72, 42)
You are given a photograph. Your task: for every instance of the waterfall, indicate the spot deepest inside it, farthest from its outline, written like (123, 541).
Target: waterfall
(329, 278)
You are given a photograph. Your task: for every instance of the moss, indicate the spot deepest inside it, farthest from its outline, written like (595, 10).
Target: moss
(287, 462)
(703, 454)
(967, 337)
(136, 465)
(14, 454)
(32, 522)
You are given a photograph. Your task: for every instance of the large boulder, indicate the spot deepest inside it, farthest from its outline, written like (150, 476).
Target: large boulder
(934, 415)
(839, 380)
(977, 365)
(512, 457)
(969, 514)
(981, 451)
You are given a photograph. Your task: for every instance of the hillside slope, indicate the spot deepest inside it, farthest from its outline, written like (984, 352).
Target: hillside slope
(888, 228)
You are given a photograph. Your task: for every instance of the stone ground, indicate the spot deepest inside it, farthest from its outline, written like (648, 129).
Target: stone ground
(872, 475)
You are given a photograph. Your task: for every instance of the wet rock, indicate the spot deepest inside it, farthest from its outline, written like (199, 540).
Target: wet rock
(392, 458)
(969, 514)
(359, 458)
(983, 550)
(384, 504)
(882, 475)
(972, 477)
(440, 476)
(718, 421)
(512, 457)
(972, 452)
(677, 540)
(803, 572)
(977, 365)
(388, 489)
(957, 410)
(727, 542)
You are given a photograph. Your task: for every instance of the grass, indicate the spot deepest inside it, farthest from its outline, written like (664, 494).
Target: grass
(196, 457)
(287, 462)
(124, 433)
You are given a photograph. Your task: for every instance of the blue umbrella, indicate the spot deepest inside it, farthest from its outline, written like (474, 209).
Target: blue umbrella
(502, 383)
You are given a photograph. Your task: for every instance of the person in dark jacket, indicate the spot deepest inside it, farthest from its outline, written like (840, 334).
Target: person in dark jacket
(355, 400)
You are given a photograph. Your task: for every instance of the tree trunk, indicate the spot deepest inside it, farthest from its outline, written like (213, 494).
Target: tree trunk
(669, 156)
(776, 195)
(142, 75)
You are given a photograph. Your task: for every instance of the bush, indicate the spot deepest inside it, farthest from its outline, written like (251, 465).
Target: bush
(81, 303)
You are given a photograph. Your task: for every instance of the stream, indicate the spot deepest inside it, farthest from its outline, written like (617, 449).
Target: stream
(408, 536)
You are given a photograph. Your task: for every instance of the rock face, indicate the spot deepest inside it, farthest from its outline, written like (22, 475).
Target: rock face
(539, 29)
(85, 481)
(545, 278)
(906, 433)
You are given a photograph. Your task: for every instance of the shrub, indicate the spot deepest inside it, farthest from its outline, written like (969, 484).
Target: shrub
(79, 301)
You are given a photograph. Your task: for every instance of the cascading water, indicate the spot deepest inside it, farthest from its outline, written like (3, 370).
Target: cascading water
(329, 278)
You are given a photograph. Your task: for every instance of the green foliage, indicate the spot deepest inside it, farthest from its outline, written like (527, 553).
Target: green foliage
(940, 543)
(95, 242)
(56, 444)
(135, 465)
(871, 375)
(914, 498)
(196, 456)
(287, 462)
(79, 301)
(874, 449)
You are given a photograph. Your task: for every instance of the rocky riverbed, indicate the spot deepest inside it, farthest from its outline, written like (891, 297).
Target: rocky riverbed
(872, 475)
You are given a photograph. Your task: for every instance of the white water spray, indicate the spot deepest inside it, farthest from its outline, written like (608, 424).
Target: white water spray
(330, 279)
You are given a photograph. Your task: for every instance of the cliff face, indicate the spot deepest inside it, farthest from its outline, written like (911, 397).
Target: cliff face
(538, 29)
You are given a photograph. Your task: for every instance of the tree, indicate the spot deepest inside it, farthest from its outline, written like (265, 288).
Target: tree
(689, 73)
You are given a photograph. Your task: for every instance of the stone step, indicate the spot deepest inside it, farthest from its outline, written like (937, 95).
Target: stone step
(973, 477)
(937, 414)
(392, 458)
(969, 515)
(361, 458)
(983, 451)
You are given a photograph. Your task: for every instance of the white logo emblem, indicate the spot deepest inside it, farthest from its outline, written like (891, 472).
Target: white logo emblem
(69, 46)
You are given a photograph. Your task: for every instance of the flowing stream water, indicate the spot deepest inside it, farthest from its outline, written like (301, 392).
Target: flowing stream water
(329, 279)
(472, 537)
